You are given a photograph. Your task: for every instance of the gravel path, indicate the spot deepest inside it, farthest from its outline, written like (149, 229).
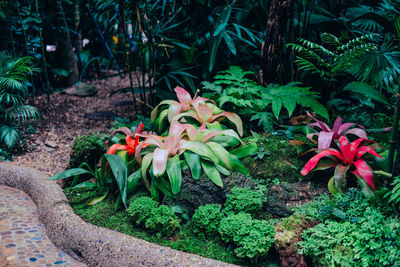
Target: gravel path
(23, 241)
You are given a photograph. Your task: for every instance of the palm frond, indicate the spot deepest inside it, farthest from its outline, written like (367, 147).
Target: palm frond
(9, 135)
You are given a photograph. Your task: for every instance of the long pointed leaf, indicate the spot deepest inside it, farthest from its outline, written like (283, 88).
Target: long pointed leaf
(212, 173)
(120, 172)
(193, 160)
(174, 174)
(68, 173)
(340, 177)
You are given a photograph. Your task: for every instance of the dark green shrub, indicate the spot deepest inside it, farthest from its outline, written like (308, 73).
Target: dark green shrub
(206, 219)
(140, 209)
(244, 200)
(163, 220)
(86, 148)
(253, 238)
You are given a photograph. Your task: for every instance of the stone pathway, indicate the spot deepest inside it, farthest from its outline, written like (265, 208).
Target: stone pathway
(23, 241)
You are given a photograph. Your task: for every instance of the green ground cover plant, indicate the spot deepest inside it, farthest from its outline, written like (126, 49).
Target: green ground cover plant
(206, 219)
(244, 200)
(354, 231)
(109, 215)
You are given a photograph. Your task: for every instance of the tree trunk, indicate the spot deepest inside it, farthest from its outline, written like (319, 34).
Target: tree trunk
(279, 14)
(64, 46)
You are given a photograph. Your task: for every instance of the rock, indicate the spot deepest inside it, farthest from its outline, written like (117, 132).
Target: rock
(51, 144)
(281, 197)
(81, 89)
(197, 193)
(288, 234)
(100, 115)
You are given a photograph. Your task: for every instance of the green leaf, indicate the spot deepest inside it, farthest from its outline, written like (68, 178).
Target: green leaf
(174, 174)
(133, 181)
(120, 172)
(225, 158)
(97, 199)
(222, 169)
(199, 148)
(340, 177)
(154, 192)
(331, 186)
(367, 91)
(220, 28)
(276, 107)
(212, 173)
(68, 173)
(229, 43)
(365, 189)
(245, 151)
(85, 185)
(193, 160)
(146, 162)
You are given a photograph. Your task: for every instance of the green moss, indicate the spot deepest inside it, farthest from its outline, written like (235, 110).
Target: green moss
(280, 163)
(105, 214)
(86, 148)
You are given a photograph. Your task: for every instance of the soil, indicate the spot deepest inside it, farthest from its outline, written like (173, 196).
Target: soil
(47, 142)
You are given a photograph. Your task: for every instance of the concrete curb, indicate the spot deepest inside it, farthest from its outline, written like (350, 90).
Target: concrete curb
(90, 244)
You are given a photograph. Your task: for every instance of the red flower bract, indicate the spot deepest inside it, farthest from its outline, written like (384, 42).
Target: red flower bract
(349, 157)
(131, 143)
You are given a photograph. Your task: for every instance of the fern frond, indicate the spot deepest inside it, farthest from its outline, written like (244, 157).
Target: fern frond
(316, 47)
(364, 39)
(330, 39)
(394, 194)
(265, 119)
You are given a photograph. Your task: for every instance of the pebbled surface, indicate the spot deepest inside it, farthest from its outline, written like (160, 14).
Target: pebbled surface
(23, 241)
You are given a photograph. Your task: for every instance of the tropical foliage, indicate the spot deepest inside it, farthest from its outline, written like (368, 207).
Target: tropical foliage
(259, 103)
(14, 75)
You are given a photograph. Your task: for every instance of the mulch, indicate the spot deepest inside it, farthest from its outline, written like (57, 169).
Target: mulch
(47, 142)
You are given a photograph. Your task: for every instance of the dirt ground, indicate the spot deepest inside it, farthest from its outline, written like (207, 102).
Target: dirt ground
(49, 140)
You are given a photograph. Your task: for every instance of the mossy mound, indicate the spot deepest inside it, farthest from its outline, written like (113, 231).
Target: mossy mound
(280, 162)
(86, 148)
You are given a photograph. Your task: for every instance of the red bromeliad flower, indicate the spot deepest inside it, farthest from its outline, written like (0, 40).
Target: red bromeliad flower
(348, 158)
(132, 140)
(326, 135)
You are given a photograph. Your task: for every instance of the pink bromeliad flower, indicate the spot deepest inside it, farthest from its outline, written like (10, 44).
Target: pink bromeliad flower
(326, 135)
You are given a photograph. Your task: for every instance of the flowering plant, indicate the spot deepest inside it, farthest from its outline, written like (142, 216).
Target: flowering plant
(349, 158)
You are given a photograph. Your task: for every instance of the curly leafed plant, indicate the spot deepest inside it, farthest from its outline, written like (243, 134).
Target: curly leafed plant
(199, 108)
(327, 135)
(348, 159)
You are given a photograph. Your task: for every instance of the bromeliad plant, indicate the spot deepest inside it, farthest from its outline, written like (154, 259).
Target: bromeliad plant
(199, 149)
(350, 158)
(327, 135)
(117, 170)
(201, 109)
